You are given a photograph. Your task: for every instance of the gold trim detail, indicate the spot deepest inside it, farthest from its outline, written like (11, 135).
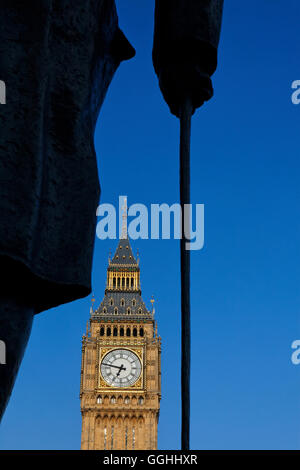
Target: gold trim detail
(104, 386)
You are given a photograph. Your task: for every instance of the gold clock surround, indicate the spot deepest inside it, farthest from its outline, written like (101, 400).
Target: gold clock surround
(104, 386)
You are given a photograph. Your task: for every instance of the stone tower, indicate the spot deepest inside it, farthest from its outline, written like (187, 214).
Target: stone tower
(120, 387)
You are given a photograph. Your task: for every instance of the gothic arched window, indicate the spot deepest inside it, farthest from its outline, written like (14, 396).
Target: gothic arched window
(141, 331)
(105, 437)
(115, 331)
(112, 437)
(121, 331)
(128, 332)
(102, 331)
(134, 332)
(133, 438)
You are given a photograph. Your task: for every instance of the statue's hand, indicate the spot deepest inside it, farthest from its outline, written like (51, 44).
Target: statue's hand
(185, 80)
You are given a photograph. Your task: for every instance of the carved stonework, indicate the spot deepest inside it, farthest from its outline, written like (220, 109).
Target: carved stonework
(124, 417)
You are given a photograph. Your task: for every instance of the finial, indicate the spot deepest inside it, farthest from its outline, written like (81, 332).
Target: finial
(124, 219)
(109, 256)
(93, 301)
(138, 256)
(152, 303)
(87, 329)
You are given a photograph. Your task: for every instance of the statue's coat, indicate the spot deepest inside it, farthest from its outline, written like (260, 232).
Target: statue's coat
(57, 59)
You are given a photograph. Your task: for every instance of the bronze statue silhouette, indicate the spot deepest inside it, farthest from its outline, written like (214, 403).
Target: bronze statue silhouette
(57, 62)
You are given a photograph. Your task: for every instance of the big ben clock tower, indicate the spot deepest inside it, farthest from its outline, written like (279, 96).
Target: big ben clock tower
(120, 374)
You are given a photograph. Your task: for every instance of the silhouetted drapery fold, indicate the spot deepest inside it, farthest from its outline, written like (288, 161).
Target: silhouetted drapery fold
(57, 59)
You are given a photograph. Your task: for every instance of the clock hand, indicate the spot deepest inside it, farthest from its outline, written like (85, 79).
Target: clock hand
(116, 367)
(120, 369)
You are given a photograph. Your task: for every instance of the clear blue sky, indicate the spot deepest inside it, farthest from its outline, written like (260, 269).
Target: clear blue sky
(245, 289)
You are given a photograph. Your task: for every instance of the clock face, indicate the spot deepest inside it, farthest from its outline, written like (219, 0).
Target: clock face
(121, 368)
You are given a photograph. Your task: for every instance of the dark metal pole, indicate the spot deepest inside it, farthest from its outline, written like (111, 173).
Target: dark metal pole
(185, 137)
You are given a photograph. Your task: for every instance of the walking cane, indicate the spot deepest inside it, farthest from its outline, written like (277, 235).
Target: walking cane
(185, 137)
(185, 47)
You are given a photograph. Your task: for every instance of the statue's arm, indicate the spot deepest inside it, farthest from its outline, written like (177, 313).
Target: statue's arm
(186, 38)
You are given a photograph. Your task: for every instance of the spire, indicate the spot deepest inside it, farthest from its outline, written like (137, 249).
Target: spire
(124, 254)
(122, 297)
(124, 235)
